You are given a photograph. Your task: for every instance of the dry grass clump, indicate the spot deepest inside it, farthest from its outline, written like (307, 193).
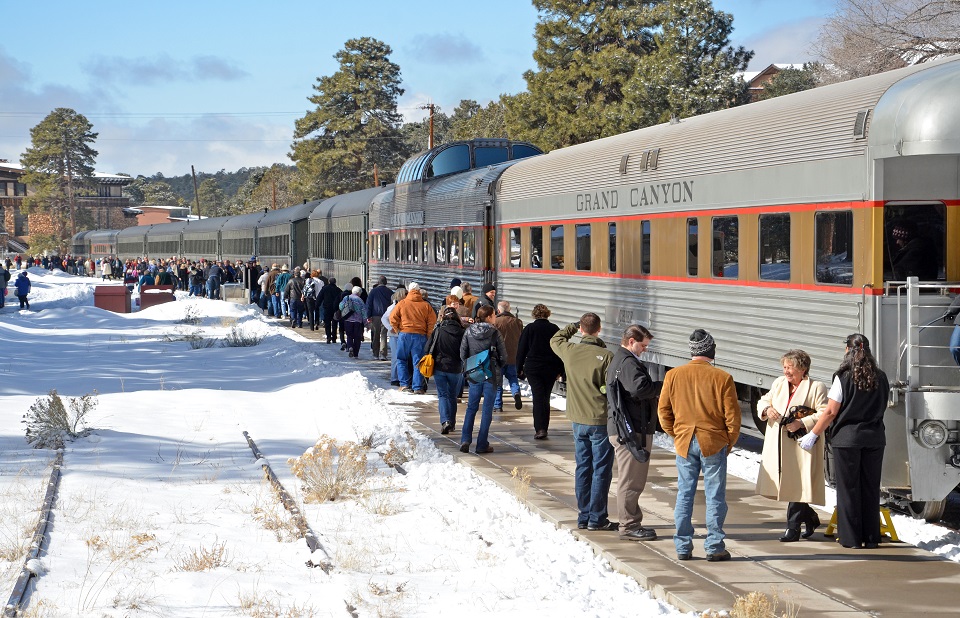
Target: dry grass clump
(521, 483)
(241, 337)
(758, 605)
(381, 600)
(329, 470)
(400, 453)
(273, 516)
(50, 423)
(17, 521)
(380, 497)
(257, 605)
(204, 558)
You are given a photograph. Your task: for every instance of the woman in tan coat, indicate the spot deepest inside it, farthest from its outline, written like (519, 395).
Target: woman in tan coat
(788, 473)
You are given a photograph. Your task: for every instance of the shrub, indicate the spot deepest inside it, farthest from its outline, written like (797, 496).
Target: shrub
(204, 558)
(239, 337)
(329, 470)
(50, 423)
(191, 314)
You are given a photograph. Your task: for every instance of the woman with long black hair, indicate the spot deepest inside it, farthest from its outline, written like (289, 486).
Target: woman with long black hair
(854, 418)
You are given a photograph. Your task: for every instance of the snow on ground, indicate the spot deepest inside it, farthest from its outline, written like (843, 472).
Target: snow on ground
(163, 509)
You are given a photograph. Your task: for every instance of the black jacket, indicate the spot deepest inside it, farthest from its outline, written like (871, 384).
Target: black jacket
(534, 354)
(638, 394)
(330, 299)
(446, 339)
(483, 336)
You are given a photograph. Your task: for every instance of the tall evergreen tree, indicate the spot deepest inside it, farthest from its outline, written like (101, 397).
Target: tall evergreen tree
(692, 71)
(470, 120)
(355, 125)
(59, 163)
(212, 201)
(587, 52)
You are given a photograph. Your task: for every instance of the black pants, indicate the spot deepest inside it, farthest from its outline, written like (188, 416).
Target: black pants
(858, 494)
(23, 301)
(331, 327)
(798, 513)
(541, 385)
(354, 332)
(313, 313)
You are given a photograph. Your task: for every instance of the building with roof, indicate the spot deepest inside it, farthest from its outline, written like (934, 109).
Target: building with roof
(152, 214)
(756, 80)
(105, 207)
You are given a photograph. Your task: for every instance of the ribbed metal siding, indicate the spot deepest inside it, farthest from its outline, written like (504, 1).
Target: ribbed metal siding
(808, 126)
(750, 325)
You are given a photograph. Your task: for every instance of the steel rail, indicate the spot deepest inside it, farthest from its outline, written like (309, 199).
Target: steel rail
(38, 542)
(326, 563)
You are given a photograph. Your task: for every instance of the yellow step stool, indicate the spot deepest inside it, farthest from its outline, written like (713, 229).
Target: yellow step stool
(886, 524)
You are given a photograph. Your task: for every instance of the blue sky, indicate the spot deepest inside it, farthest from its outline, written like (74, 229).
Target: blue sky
(219, 84)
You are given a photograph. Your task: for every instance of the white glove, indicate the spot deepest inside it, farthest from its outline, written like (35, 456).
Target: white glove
(807, 441)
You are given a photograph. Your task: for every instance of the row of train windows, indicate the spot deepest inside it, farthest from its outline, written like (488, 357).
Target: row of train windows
(451, 247)
(335, 245)
(238, 246)
(834, 247)
(200, 247)
(457, 159)
(274, 245)
(101, 248)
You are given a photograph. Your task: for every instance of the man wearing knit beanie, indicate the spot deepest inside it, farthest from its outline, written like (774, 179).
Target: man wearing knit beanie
(488, 298)
(699, 410)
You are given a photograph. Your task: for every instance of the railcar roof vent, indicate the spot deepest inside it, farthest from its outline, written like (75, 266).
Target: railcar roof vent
(860, 126)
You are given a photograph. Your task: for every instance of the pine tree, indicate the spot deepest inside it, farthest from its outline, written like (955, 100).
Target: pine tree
(59, 163)
(212, 201)
(471, 121)
(587, 52)
(693, 68)
(355, 125)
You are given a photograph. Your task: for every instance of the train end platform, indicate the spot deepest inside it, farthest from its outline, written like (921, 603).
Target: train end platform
(814, 577)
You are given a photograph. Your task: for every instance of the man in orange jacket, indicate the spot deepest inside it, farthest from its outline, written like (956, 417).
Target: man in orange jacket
(413, 318)
(699, 410)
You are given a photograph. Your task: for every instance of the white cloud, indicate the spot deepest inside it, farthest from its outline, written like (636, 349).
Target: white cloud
(790, 43)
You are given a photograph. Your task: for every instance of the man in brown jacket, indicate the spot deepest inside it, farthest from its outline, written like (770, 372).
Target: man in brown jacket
(510, 327)
(699, 410)
(413, 318)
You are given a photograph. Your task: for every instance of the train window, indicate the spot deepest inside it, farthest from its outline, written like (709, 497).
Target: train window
(425, 244)
(915, 237)
(612, 235)
(693, 237)
(418, 167)
(833, 238)
(726, 247)
(514, 247)
(453, 247)
(469, 248)
(645, 247)
(439, 247)
(536, 247)
(489, 156)
(397, 251)
(386, 247)
(775, 247)
(522, 152)
(556, 246)
(583, 246)
(449, 161)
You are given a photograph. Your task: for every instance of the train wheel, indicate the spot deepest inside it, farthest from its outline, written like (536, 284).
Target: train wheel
(931, 511)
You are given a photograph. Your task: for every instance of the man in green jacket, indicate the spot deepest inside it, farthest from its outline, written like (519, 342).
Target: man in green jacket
(586, 366)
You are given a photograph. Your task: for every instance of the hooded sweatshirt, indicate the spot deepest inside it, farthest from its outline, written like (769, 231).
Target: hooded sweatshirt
(483, 336)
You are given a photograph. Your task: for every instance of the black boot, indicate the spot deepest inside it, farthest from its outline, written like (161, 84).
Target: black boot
(811, 525)
(791, 535)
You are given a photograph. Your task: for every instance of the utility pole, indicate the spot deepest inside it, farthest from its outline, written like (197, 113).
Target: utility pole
(376, 176)
(196, 192)
(431, 107)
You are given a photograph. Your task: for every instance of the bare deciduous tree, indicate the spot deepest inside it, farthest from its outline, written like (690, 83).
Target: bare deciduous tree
(865, 37)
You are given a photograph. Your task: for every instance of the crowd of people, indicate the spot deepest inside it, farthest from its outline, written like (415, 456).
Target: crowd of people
(613, 403)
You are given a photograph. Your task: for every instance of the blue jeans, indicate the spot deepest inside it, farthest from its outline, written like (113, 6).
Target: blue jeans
(488, 390)
(213, 288)
(409, 350)
(510, 373)
(594, 456)
(394, 359)
(715, 490)
(296, 313)
(275, 306)
(955, 344)
(448, 387)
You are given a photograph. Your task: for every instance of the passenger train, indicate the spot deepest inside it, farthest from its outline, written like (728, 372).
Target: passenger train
(770, 225)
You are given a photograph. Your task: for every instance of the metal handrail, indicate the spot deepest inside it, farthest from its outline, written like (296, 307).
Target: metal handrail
(911, 342)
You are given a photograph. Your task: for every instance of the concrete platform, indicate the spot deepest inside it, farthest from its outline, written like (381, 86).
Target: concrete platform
(817, 576)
